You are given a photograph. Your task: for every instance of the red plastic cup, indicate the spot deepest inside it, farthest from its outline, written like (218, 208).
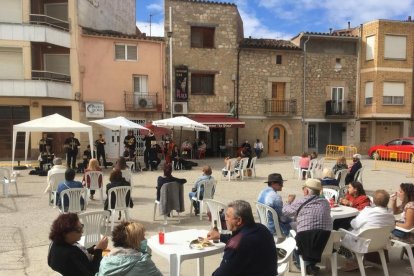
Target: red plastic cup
(161, 237)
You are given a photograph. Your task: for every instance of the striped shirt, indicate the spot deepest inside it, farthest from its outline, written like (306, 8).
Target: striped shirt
(316, 214)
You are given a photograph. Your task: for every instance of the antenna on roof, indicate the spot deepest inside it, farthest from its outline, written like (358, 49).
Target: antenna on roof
(151, 15)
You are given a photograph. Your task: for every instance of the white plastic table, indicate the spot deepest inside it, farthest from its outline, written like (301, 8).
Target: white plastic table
(343, 212)
(176, 249)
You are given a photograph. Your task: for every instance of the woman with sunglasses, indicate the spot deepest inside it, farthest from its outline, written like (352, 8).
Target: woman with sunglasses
(68, 257)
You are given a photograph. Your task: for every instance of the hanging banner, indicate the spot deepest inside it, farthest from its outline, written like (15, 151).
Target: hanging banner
(181, 83)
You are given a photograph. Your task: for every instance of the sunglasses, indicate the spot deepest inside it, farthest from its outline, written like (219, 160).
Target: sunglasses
(79, 229)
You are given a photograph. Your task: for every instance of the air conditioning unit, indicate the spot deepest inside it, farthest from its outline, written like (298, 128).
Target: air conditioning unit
(180, 108)
(143, 103)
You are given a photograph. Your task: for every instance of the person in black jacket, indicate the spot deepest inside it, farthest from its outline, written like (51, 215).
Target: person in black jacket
(68, 257)
(148, 139)
(356, 165)
(116, 181)
(250, 248)
(167, 178)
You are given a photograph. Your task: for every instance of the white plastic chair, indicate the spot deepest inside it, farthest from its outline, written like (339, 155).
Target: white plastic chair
(131, 165)
(264, 211)
(358, 175)
(288, 245)
(157, 203)
(296, 168)
(403, 244)
(209, 187)
(313, 168)
(252, 166)
(54, 180)
(340, 176)
(74, 196)
(327, 253)
(6, 178)
(95, 179)
(93, 222)
(230, 171)
(120, 204)
(379, 240)
(242, 168)
(329, 193)
(215, 207)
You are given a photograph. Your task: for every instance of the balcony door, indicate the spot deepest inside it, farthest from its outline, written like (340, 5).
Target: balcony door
(277, 140)
(141, 98)
(278, 96)
(337, 100)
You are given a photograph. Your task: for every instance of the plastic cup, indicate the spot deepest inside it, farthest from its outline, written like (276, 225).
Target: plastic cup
(161, 237)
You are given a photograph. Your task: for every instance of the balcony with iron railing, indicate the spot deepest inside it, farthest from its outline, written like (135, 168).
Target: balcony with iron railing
(42, 19)
(275, 107)
(142, 102)
(50, 76)
(343, 109)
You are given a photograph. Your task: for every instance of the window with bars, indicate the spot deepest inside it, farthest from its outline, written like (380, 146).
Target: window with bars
(125, 52)
(202, 37)
(202, 84)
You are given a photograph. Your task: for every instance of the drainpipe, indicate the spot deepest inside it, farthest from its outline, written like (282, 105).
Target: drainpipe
(304, 94)
(358, 80)
(236, 100)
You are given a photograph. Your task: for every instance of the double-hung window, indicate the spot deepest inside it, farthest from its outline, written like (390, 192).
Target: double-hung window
(369, 92)
(337, 99)
(393, 93)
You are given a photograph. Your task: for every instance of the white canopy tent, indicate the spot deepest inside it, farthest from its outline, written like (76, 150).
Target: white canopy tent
(118, 123)
(51, 123)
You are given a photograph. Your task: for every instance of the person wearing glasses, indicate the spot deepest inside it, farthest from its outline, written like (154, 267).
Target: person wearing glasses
(250, 248)
(66, 255)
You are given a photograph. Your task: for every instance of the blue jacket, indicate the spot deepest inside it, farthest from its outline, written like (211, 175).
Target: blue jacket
(127, 262)
(249, 251)
(66, 184)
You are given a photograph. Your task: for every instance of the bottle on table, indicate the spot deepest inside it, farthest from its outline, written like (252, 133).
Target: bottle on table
(216, 229)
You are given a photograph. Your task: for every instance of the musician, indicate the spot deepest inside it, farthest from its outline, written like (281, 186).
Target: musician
(45, 141)
(100, 150)
(72, 145)
(87, 155)
(148, 139)
(130, 143)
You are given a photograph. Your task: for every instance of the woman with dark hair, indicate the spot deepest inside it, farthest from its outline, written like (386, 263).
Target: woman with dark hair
(129, 255)
(117, 180)
(68, 257)
(355, 197)
(167, 178)
(406, 209)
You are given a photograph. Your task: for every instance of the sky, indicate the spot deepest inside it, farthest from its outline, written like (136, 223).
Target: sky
(283, 19)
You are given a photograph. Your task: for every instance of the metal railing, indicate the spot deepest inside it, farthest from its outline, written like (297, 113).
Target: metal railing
(336, 151)
(341, 108)
(280, 107)
(143, 102)
(42, 19)
(400, 160)
(53, 76)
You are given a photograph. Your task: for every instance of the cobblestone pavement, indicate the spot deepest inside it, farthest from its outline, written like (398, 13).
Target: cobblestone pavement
(26, 218)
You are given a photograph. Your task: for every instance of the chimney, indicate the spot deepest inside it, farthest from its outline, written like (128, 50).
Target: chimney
(349, 25)
(330, 30)
(409, 18)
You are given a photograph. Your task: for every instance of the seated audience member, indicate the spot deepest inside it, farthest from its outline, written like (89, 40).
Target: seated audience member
(68, 183)
(68, 257)
(117, 180)
(57, 168)
(122, 166)
(92, 166)
(129, 256)
(313, 224)
(153, 158)
(406, 209)
(304, 164)
(227, 162)
(340, 164)
(167, 178)
(328, 178)
(271, 198)
(250, 248)
(355, 198)
(186, 148)
(370, 217)
(205, 176)
(313, 155)
(356, 165)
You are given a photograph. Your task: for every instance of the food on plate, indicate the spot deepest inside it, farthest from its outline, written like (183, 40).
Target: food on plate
(200, 243)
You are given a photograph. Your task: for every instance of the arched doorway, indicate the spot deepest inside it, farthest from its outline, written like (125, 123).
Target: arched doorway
(276, 140)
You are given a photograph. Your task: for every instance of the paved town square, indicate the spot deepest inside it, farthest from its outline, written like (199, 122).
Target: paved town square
(26, 218)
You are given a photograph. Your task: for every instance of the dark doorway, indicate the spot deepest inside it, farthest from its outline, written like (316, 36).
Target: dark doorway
(329, 134)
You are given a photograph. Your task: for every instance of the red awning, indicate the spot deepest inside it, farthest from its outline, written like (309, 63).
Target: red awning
(218, 121)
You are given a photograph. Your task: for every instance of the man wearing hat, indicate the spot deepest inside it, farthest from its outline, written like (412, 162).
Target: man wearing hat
(356, 165)
(313, 223)
(271, 198)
